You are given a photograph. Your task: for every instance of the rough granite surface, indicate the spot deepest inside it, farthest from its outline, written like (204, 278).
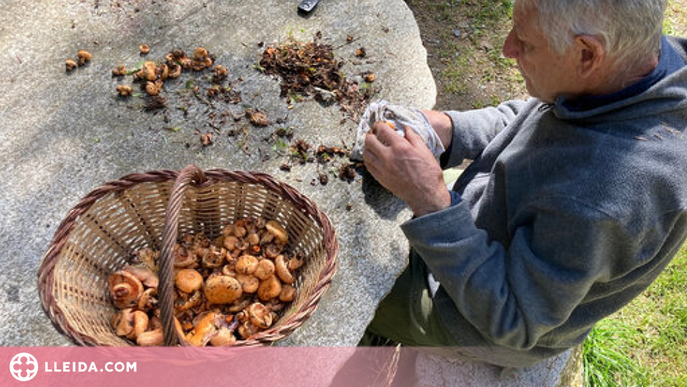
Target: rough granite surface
(64, 134)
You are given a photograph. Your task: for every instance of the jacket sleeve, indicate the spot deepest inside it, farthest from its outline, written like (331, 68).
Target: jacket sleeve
(473, 129)
(513, 295)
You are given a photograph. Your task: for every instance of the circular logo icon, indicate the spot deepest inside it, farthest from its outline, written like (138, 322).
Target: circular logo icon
(23, 367)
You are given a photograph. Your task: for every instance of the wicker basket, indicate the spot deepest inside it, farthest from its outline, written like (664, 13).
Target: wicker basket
(102, 231)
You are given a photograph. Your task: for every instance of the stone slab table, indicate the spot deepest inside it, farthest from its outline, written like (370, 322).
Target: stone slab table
(64, 134)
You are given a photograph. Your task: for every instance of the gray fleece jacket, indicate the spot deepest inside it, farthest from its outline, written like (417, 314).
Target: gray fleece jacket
(565, 216)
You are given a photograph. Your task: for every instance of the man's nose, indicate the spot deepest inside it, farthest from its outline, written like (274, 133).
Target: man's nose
(510, 46)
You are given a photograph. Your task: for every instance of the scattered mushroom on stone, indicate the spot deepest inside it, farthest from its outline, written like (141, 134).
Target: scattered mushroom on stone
(83, 57)
(70, 64)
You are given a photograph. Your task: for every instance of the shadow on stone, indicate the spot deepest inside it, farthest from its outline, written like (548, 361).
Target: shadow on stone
(381, 200)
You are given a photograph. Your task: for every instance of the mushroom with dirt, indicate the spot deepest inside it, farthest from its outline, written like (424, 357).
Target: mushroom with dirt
(265, 269)
(222, 289)
(249, 283)
(269, 288)
(247, 264)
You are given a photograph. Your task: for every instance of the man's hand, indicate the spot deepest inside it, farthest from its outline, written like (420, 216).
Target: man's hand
(407, 168)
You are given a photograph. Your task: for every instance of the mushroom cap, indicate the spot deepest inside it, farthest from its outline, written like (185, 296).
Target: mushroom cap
(125, 289)
(70, 64)
(278, 231)
(253, 239)
(247, 330)
(182, 305)
(265, 269)
(144, 274)
(269, 288)
(272, 250)
(295, 263)
(213, 258)
(240, 231)
(222, 289)
(147, 256)
(84, 55)
(188, 280)
(249, 283)
(246, 264)
(124, 90)
(230, 242)
(204, 330)
(182, 257)
(149, 70)
(200, 53)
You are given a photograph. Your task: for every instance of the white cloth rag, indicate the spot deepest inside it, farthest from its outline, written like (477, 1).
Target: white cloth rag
(401, 117)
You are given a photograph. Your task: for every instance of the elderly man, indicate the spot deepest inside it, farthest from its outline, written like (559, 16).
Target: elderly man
(576, 199)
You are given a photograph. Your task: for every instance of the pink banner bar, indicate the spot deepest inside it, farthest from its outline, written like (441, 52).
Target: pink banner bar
(196, 367)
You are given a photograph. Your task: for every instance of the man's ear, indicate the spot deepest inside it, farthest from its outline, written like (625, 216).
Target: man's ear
(590, 54)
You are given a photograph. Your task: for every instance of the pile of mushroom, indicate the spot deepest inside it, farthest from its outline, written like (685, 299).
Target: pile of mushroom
(226, 290)
(152, 76)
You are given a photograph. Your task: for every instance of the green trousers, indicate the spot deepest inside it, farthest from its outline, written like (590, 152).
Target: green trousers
(407, 315)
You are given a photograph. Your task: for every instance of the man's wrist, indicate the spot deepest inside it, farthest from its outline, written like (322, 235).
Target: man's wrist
(438, 202)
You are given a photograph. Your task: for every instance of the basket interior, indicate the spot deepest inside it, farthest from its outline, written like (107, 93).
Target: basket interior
(105, 237)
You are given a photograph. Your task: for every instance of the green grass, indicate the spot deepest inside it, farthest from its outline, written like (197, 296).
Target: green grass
(645, 343)
(676, 18)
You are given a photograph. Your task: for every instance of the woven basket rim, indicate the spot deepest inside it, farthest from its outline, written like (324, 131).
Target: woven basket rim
(285, 191)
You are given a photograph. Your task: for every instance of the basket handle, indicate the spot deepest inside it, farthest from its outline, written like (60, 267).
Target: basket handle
(169, 237)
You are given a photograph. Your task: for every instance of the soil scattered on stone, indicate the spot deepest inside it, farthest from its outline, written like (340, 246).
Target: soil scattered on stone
(310, 70)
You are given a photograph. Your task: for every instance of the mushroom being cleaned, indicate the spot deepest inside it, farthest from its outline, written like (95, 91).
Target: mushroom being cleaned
(125, 289)
(222, 289)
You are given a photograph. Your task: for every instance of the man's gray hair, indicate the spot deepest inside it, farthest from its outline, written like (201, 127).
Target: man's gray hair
(630, 29)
